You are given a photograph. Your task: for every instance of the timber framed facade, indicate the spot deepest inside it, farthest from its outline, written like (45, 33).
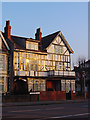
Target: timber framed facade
(44, 63)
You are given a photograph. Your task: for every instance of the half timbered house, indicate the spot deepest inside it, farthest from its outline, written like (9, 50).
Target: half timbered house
(44, 62)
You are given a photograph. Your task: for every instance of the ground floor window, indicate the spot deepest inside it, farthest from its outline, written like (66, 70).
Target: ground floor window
(1, 84)
(36, 84)
(73, 85)
(40, 85)
(68, 85)
(63, 87)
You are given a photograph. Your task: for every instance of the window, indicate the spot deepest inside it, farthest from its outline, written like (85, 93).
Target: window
(36, 84)
(36, 47)
(39, 62)
(63, 88)
(33, 66)
(1, 84)
(65, 65)
(68, 59)
(51, 63)
(67, 86)
(61, 57)
(32, 45)
(51, 57)
(30, 84)
(2, 62)
(73, 85)
(64, 58)
(15, 66)
(39, 68)
(27, 67)
(59, 65)
(45, 62)
(43, 85)
(56, 57)
(58, 49)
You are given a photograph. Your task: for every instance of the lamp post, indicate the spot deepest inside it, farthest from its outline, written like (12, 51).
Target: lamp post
(83, 74)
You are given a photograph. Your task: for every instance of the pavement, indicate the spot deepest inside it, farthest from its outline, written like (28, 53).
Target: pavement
(42, 103)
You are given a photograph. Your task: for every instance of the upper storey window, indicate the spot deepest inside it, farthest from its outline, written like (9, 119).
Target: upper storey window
(31, 45)
(58, 49)
(2, 62)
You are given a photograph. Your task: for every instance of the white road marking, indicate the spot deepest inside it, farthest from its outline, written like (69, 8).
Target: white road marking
(65, 116)
(37, 109)
(71, 115)
(25, 110)
(55, 108)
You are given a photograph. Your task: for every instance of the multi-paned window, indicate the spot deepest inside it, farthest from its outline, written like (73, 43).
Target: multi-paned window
(1, 84)
(58, 49)
(3, 62)
(59, 65)
(31, 45)
(36, 84)
(73, 85)
(63, 85)
(29, 62)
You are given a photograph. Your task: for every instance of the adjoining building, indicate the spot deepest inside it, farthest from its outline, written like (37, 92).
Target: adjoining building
(83, 77)
(4, 48)
(44, 63)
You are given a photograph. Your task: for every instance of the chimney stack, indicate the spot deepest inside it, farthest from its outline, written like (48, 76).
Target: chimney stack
(7, 29)
(38, 34)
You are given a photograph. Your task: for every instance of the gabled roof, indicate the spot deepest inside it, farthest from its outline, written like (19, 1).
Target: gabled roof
(47, 40)
(88, 62)
(20, 42)
(4, 41)
(66, 43)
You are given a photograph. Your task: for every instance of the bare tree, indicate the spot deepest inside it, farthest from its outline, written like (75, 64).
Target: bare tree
(81, 60)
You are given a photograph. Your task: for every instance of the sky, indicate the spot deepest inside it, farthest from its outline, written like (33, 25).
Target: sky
(71, 18)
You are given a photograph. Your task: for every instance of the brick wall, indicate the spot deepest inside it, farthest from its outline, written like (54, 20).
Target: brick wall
(52, 95)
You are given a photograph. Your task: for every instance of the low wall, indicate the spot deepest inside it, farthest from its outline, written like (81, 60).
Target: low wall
(43, 96)
(75, 97)
(20, 98)
(52, 95)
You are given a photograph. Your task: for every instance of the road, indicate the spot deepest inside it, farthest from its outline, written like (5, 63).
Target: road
(47, 112)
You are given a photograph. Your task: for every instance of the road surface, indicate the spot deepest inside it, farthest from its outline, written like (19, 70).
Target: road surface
(66, 111)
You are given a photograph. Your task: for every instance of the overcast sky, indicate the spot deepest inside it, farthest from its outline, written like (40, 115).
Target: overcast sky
(69, 17)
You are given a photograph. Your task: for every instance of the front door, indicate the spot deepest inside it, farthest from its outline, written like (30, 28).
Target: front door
(57, 85)
(53, 85)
